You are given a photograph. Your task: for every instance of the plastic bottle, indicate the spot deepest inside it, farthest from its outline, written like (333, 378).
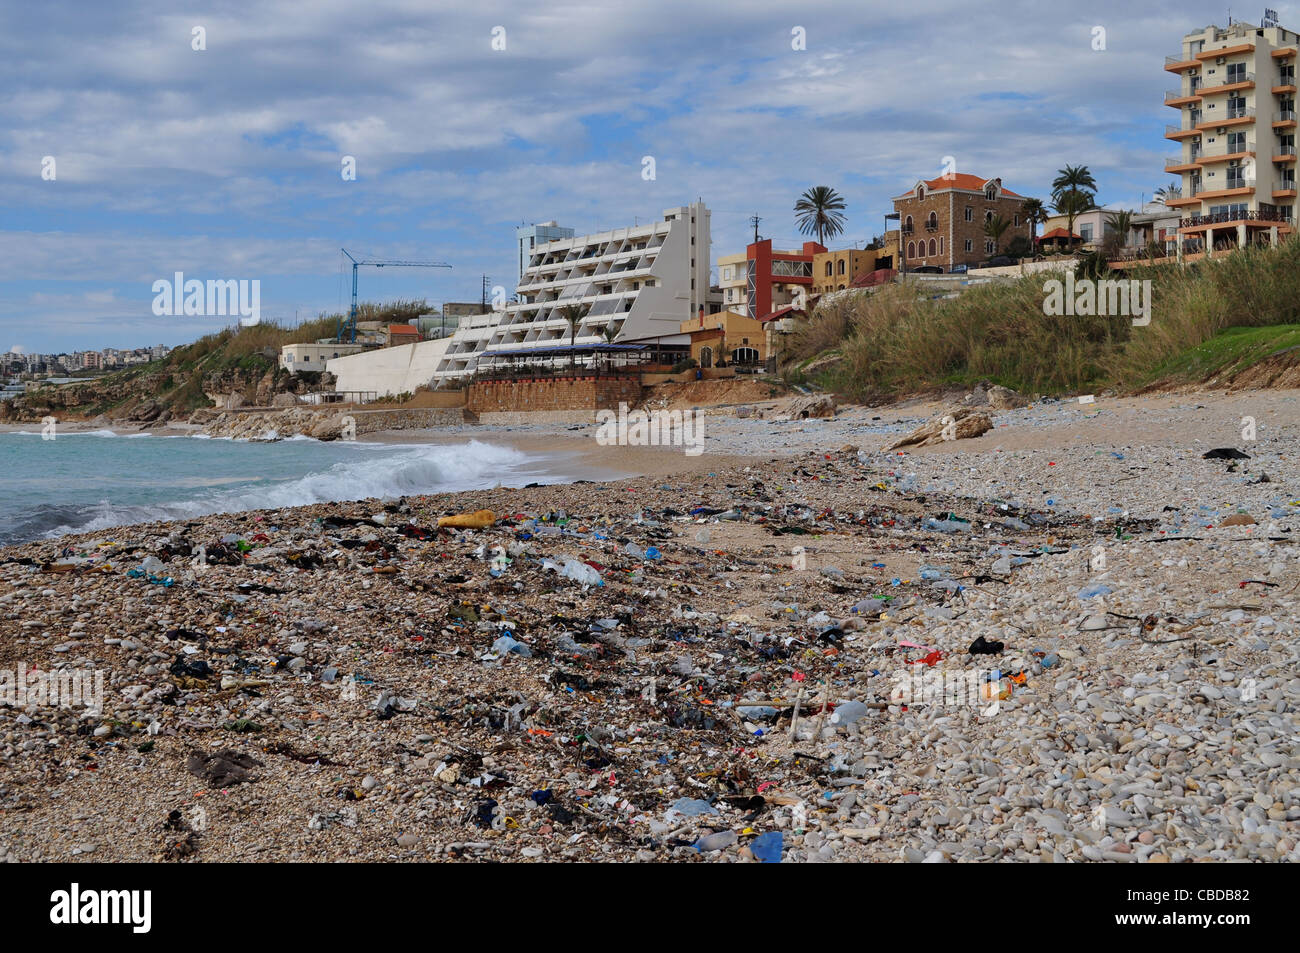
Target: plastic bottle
(846, 713)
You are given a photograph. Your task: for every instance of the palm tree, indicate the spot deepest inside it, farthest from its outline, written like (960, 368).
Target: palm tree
(820, 211)
(1071, 204)
(1166, 192)
(573, 313)
(1122, 223)
(1035, 213)
(1073, 178)
(994, 229)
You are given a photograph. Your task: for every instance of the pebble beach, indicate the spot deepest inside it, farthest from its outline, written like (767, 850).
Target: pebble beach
(1072, 638)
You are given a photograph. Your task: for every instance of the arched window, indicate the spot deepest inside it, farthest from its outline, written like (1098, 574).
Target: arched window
(706, 357)
(840, 266)
(920, 191)
(932, 246)
(907, 226)
(988, 216)
(911, 249)
(744, 355)
(828, 269)
(933, 221)
(991, 192)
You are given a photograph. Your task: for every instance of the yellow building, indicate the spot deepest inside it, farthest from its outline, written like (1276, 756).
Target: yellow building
(726, 338)
(835, 270)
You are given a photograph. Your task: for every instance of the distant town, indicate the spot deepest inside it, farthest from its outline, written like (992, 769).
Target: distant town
(20, 372)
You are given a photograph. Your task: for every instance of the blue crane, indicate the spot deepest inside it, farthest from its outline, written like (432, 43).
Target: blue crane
(348, 328)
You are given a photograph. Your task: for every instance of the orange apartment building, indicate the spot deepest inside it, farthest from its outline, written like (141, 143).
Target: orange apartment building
(1236, 132)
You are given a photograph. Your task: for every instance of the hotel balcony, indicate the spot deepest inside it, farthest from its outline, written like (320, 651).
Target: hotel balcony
(1258, 218)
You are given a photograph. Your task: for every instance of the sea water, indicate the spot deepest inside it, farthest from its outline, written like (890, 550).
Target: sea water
(83, 482)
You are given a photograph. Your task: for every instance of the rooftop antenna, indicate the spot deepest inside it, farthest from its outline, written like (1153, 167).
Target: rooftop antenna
(755, 220)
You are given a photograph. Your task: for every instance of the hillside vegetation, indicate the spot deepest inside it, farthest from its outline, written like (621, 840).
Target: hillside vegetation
(896, 341)
(240, 360)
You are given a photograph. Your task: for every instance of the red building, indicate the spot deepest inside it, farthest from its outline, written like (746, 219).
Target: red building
(767, 279)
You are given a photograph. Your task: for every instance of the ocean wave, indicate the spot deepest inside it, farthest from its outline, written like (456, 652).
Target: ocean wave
(430, 468)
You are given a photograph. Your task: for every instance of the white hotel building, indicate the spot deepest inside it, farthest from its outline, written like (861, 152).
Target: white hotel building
(643, 281)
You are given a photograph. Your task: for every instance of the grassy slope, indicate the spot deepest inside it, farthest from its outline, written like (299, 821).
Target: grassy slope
(1236, 310)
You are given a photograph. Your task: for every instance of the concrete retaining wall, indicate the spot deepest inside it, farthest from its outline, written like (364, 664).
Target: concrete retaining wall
(390, 370)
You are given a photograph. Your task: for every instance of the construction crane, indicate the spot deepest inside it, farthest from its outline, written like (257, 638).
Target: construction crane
(348, 328)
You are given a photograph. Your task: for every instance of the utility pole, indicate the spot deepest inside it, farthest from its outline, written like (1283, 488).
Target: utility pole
(755, 220)
(483, 303)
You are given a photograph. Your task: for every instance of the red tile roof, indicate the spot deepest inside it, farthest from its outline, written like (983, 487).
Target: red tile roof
(961, 180)
(1058, 233)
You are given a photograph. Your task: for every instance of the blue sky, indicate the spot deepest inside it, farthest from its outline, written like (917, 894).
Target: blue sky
(225, 162)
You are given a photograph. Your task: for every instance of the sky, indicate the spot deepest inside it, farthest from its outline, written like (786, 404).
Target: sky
(467, 120)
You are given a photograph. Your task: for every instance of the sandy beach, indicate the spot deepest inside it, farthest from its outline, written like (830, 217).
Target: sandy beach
(787, 640)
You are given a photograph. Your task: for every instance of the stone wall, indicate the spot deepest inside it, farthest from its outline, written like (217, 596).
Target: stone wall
(563, 394)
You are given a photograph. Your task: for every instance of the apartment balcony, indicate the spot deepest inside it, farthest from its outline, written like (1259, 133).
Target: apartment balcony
(1283, 52)
(1223, 155)
(1285, 86)
(1185, 130)
(1179, 164)
(906, 229)
(1176, 97)
(1224, 51)
(1179, 62)
(1233, 81)
(1233, 117)
(1284, 189)
(1284, 153)
(1283, 117)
